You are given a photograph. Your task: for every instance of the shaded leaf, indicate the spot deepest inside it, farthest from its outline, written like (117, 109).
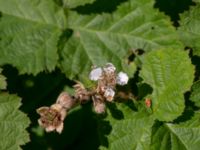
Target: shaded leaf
(12, 123)
(98, 39)
(189, 29)
(164, 71)
(195, 95)
(29, 31)
(133, 131)
(183, 136)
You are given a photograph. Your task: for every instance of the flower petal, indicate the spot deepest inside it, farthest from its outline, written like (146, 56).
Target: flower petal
(50, 128)
(60, 128)
(122, 78)
(95, 74)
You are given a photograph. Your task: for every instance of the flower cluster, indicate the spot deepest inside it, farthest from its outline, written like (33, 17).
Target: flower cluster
(106, 77)
(52, 117)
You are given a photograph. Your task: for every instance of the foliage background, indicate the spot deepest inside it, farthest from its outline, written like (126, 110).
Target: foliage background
(82, 125)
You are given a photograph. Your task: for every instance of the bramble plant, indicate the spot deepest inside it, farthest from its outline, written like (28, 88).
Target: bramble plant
(116, 75)
(52, 118)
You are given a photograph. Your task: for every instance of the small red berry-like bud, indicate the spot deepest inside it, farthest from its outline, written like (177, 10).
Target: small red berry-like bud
(148, 102)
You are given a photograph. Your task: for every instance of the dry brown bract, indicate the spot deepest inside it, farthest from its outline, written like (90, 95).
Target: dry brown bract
(52, 117)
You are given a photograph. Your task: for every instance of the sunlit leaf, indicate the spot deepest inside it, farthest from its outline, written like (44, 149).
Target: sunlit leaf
(13, 123)
(164, 71)
(98, 39)
(189, 29)
(131, 131)
(183, 136)
(29, 32)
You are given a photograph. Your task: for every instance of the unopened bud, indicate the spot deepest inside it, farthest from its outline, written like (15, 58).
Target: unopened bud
(148, 102)
(109, 68)
(81, 93)
(100, 108)
(95, 74)
(98, 103)
(66, 101)
(122, 78)
(109, 94)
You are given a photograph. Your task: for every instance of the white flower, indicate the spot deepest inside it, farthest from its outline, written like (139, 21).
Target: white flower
(95, 74)
(109, 68)
(122, 78)
(109, 94)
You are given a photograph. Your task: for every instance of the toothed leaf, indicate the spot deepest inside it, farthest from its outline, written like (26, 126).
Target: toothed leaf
(164, 71)
(13, 123)
(98, 39)
(29, 31)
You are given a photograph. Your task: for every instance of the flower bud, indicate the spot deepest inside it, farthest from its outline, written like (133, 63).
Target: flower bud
(98, 103)
(148, 102)
(95, 74)
(109, 68)
(65, 100)
(109, 94)
(100, 108)
(122, 78)
(81, 93)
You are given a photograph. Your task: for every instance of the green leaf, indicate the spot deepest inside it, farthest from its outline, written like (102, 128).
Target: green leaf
(183, 136)
(131, 132)
(12, 123)
(164, 71)
(75, 3)
(3, 83)
(29, 31)
(189, 29)
(98, 39)
(44, 12)
(195, 94)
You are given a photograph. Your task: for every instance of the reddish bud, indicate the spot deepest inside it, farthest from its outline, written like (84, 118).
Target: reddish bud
(148, 102)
